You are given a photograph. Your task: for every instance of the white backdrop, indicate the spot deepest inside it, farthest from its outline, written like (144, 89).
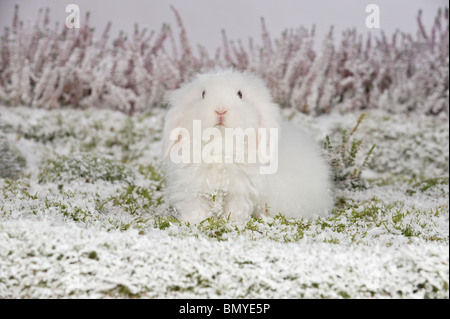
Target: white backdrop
(204, 19)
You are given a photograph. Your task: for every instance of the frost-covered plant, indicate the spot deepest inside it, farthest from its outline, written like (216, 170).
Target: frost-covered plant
(345, 160)
(11, 160)
(86, 166)
(54, 67)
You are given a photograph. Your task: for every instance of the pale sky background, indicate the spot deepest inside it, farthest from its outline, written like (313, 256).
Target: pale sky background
(204, 19)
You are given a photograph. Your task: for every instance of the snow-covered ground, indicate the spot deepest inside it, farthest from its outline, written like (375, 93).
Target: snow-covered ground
(82, 214)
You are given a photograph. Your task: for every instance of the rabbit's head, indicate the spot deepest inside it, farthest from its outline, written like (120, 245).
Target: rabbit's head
(224, 99)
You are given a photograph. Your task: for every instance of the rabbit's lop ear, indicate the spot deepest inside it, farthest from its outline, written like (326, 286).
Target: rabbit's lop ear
(172, 121)
(269, 114)
(180, 101)
(269, 123)
(171, 136)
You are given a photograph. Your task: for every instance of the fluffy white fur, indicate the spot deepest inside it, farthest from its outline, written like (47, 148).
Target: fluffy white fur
(299, 188)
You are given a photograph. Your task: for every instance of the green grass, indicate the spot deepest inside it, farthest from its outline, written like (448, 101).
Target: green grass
(353, 222)
(136, 207)
(424, 184)
(86, 166)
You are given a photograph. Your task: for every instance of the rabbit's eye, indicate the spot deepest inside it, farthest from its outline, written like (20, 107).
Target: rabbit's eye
(203, 94)
(239, 93)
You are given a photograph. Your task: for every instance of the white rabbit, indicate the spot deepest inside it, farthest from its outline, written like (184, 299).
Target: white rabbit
(299, 187)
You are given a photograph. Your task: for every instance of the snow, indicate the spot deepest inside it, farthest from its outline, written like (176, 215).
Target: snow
(100, 239)
(45, 260)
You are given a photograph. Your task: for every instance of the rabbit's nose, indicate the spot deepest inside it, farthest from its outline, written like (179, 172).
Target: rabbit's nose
(221, 112)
